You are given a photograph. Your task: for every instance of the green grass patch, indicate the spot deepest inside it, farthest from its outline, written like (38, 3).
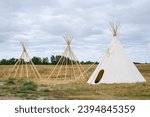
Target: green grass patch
(29, 86)
(10, 81)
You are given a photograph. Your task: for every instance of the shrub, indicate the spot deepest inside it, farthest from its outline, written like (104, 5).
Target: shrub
(10, 81)
(29, 86)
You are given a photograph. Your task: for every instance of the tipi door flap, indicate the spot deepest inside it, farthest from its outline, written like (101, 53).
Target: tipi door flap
(99, 76)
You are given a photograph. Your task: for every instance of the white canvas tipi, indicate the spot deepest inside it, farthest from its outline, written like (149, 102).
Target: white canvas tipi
(115, 66)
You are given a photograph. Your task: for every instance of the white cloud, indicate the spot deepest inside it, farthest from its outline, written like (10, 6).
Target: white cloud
(41, 24)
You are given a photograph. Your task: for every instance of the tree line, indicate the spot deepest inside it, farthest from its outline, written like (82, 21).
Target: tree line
(53, 60)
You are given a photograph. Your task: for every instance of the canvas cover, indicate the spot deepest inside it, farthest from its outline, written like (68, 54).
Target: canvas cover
(116, 66)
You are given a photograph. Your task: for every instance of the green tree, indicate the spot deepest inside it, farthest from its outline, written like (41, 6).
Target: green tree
(37, 60)
(4, 62)
(45, 60)
(12, 61)
(53, 60)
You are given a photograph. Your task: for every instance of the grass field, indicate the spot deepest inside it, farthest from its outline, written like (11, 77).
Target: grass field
(44, 89)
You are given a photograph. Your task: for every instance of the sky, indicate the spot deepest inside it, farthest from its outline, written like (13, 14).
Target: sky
(41, 24)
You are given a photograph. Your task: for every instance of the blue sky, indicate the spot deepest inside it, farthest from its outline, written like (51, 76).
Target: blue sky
(41, 24)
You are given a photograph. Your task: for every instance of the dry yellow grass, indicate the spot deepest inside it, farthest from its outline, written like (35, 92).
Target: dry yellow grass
(47, 90)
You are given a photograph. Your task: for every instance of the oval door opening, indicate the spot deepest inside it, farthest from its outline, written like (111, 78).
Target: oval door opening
(99, 76)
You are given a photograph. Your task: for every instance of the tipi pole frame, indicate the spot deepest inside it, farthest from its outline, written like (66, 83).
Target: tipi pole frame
(77, 64)
(61, 62)
(71, 65)
(22, 63)
(66, 64)
(21, 67)
(17, 68)
(27, 75)
(57, 64)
